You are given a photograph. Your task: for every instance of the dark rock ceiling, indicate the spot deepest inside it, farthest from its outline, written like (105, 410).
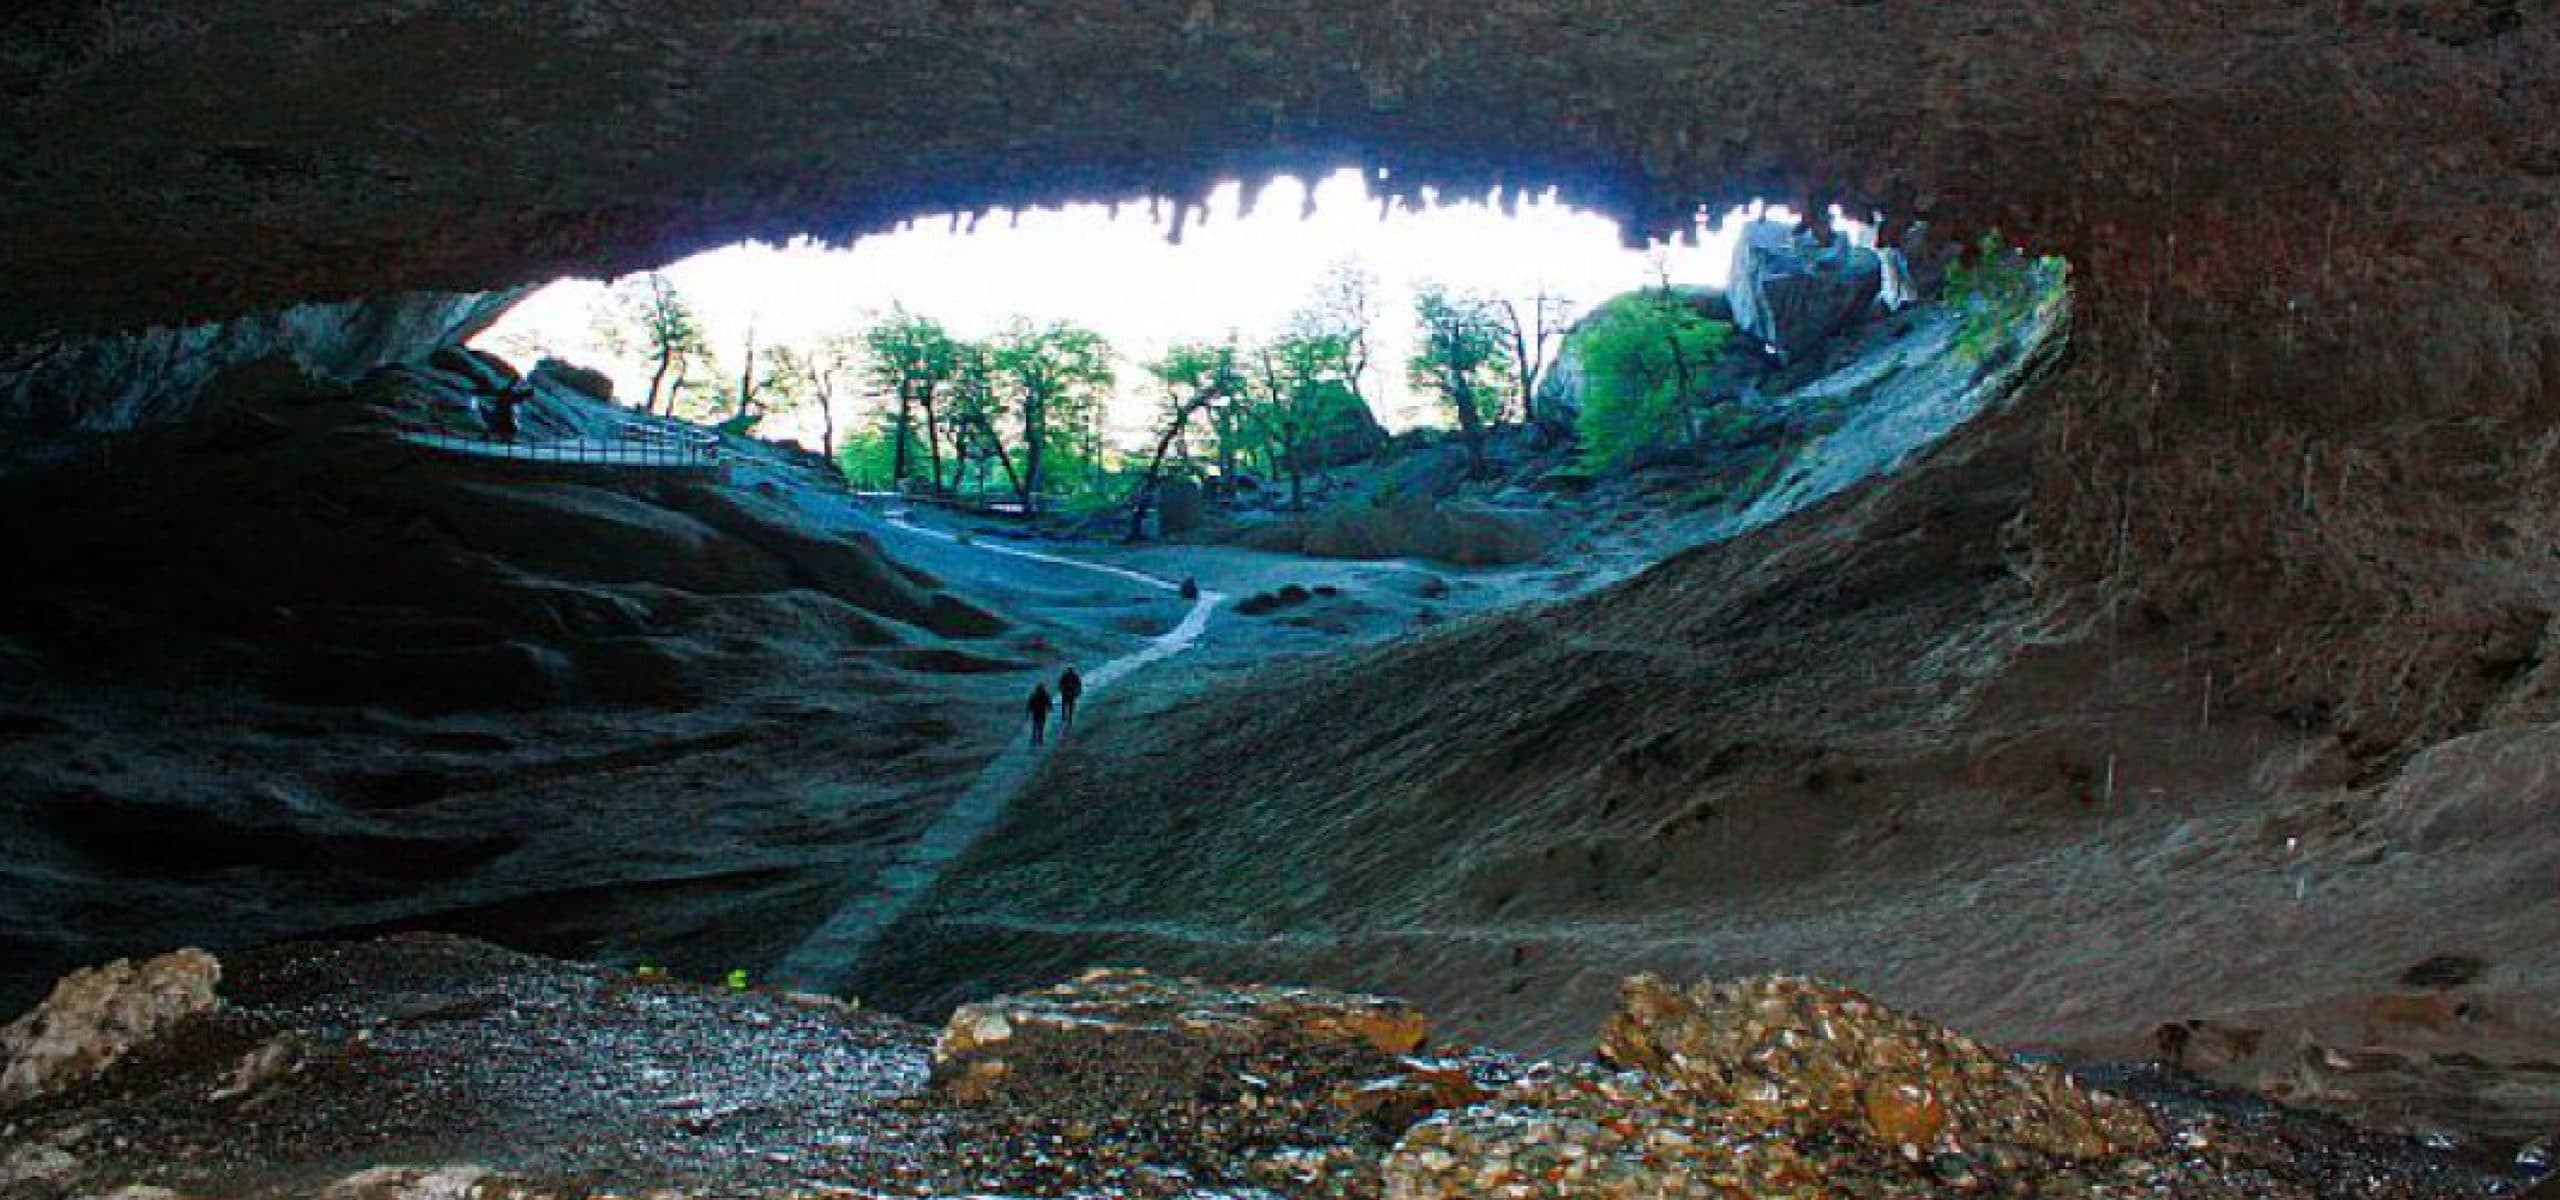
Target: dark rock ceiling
(167, 157)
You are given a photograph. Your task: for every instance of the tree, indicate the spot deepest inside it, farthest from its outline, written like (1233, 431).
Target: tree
(815, 377)
(1460, 359)
(978, 410)
(1643, 359)
(1058, 376)
(1297, 391)
(1195, 377)
(914, 360)
(645, 318)
(1534, 330)
(1344, 308)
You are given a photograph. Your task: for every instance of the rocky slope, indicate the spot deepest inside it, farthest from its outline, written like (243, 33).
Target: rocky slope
(426, 1066)
(277, 670)
(1860, 742)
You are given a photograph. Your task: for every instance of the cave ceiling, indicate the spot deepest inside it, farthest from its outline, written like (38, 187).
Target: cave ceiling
(170, 159)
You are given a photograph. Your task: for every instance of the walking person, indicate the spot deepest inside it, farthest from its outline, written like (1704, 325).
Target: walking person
(1070, 690)
(1039, 713)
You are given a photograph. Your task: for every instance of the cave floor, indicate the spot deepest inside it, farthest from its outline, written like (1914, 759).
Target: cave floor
(469, 1065)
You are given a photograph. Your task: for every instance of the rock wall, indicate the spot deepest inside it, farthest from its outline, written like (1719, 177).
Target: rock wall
(106, 383)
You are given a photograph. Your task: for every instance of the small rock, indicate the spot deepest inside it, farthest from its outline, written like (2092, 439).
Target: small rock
(456, 1182)
(276, 1059)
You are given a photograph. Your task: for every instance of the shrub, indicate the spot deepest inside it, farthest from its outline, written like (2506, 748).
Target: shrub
(1644, 358)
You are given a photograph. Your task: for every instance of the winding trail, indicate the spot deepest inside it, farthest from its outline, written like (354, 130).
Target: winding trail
(831, 956)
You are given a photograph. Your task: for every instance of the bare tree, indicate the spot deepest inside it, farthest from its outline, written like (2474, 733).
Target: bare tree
(1534, 332)
(815, 376)
(1344, 308)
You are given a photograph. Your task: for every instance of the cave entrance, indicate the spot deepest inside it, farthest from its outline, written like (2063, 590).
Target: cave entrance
(1267, 329)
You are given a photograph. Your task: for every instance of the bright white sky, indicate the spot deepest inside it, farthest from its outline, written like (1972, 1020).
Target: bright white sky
(1124, 278)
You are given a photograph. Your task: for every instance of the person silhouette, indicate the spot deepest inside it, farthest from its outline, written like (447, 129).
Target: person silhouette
(1039, 713)
(1070, 690)
(502, 419)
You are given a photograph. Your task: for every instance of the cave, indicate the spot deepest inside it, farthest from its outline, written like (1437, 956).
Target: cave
(2186, 716)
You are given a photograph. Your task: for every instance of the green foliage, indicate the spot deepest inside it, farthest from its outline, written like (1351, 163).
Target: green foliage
(1299, 392)
(1998, 288)
(1644, 356)
(1197, 379)
(1461, 358)
(1059, 377)
(1193, 369)
(977, 418)
(812, 378)
(1343, 307)
(868, 458)
(911, 364)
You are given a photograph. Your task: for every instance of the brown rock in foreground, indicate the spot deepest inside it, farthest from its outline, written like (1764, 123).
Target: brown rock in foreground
(97, 1016)
(1134, 1036)
(1785, 1087)
(1777, 1048)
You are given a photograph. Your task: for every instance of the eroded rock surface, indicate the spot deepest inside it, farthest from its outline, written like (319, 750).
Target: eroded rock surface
(115, 382)
(97, 1016)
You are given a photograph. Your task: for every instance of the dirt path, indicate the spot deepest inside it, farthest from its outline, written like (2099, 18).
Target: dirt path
(829, 958)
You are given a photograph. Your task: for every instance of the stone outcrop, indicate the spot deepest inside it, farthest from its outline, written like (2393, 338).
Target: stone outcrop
(586, 381)
(116, 382)
(95, 1017)
(1474, 535)
(1133, 1038)
(2490, 786)
(1793, 294)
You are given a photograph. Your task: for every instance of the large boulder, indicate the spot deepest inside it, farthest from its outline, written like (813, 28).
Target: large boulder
(97, 1016)
(485, 372)
(850, 566)
(1180, 507)
(1461, 534)
(1793, 294)
(585, 381)
(2495, 786)
(1130, 1039)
